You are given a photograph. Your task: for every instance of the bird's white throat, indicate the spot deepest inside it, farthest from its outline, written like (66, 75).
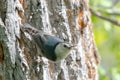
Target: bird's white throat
(61, 52)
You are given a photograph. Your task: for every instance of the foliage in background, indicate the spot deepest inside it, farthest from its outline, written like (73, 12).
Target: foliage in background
(107, 38)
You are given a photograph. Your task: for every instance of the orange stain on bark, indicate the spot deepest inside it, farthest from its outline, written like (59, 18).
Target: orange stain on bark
(1, 53)
(21, 1)
(20, 13)
(81, 19)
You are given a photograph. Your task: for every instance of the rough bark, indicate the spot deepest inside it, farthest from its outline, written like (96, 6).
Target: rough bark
(66, 19)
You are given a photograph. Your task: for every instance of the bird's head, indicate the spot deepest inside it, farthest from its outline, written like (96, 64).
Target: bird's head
(62, 50)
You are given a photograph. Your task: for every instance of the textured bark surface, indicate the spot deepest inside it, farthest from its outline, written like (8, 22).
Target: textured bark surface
(66, 19)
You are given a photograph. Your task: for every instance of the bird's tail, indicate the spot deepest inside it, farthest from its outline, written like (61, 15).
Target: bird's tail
(29, 29)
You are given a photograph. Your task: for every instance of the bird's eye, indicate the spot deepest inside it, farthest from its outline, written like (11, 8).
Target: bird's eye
(65, 46)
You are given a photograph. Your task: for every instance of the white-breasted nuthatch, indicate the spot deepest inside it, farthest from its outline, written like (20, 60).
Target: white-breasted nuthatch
(52, 48)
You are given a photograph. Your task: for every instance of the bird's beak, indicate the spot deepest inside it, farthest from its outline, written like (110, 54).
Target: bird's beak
(74, 47)
(71, 46)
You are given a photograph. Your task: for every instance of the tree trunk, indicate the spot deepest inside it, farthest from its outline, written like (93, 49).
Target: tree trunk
(66, 19)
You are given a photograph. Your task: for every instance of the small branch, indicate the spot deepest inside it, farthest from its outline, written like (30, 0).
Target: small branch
(114, 13)
(115, 22)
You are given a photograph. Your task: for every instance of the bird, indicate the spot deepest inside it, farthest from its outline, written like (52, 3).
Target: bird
(52, 47)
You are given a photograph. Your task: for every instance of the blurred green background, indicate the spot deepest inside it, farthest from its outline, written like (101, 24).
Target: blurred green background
(107, 37)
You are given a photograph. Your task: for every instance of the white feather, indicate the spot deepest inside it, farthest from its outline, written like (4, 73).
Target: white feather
(61, 51)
